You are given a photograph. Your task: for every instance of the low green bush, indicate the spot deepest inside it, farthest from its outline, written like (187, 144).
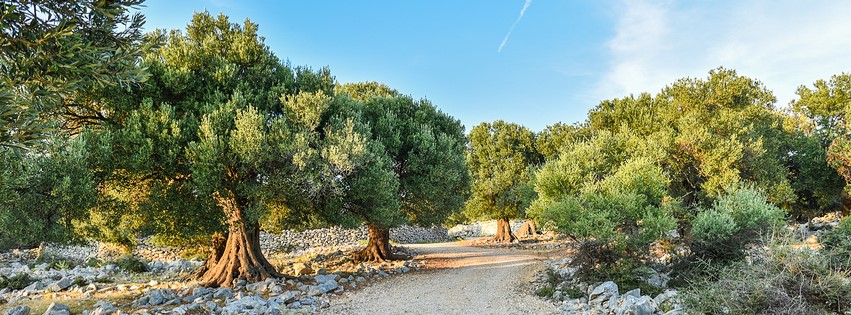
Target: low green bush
(132, 264)
(742, 216)
(837, 244)
(16, 282)
(93, 262)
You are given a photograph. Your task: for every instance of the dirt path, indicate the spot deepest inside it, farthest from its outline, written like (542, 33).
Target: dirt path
(460, 279)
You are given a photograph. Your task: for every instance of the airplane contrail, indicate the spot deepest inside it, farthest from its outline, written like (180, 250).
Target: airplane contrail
(522, 11)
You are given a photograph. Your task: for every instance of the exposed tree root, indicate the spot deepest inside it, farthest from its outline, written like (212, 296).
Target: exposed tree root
(378, 247)
(237, 255)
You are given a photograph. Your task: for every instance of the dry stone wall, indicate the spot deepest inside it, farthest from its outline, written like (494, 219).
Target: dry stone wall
(480, 228)
(283, 242)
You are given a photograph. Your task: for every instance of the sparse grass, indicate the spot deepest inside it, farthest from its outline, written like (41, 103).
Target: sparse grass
(783, 281)
(75, 301)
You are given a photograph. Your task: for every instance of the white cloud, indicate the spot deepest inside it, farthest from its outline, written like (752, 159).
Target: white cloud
(510, 30)
(782, 43)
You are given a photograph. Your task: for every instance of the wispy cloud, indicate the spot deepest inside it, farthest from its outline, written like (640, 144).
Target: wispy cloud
(522, 12)
(784, 44)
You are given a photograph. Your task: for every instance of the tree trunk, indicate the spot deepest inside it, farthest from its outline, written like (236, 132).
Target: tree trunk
(378, 247)
(527, 229)
(237, 255)
(503, 232)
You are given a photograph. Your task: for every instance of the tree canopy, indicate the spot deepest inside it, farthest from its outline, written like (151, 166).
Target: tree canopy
(54, 55)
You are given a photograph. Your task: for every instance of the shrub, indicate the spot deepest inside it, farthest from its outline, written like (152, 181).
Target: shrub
(16, 282)
(740, 217)
(93, 262)
(615, 219)
(837, 244)
(54, 262)
(784, 281)
(132, 264)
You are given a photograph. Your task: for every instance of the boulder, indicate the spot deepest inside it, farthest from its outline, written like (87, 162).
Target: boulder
(104, 308)
(604, 291)
(18, 310)
(57, 309)
(644, 306)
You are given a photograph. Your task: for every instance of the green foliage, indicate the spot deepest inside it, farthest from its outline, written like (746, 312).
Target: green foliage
(93, 262)
(79, 281)
(426, 150)
(54, 54)
(54, 262)
(817, 185)
(16, 282)
(837, 244)
(614, 210)
(363, 91)
(221, 121)
(628, 207)
(782, 281)
(554, 138)
(713, 133)
(740, 217)
(817, 121)
(131, 264)
(500, 158)
(545, 292)
(45, 193)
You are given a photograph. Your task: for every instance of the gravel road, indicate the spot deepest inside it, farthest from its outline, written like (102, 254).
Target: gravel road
(459, 279)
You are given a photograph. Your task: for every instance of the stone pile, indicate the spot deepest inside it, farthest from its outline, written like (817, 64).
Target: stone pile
(480, 229)
(574, 297)
(605, 299)
(85, 280)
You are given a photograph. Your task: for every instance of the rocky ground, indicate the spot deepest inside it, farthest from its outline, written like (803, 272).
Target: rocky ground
(163, 289)
(574, 297)
(91, 279)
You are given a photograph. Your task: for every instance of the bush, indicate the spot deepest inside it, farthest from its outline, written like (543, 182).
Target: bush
(837, 244)
(16, 282)
(93, 262)
(740, 217)
(54, 262)
(615, 219)
(132, 264)
(784, 281)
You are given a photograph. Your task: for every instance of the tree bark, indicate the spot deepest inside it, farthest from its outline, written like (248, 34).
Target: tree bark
(378, 247)
(236, 255)
(527, 229)
(503, 232)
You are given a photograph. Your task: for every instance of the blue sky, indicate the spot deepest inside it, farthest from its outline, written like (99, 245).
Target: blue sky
(561, 58)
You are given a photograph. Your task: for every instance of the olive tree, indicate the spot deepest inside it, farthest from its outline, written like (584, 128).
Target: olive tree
(500, 158)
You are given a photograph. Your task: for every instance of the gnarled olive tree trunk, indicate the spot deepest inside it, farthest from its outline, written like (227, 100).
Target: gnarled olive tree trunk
(528, 229)
(378, 247)
(503, 232)
(237, 254)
